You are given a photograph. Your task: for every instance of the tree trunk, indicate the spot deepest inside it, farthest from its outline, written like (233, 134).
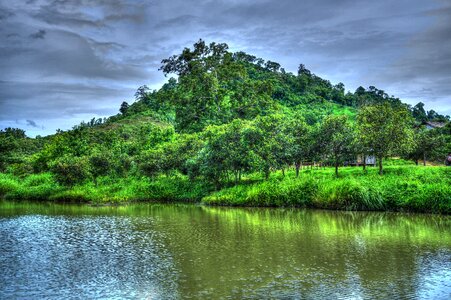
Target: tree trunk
(283, 172)
(267, 174)
(297, 166)
(336, 168)
(416, 162)
(424, 159)
(380, 166)
(217, 184)
(364, 163)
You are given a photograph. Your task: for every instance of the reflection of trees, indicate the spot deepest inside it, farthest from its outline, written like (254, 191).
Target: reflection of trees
(276, 252)
(257, 251)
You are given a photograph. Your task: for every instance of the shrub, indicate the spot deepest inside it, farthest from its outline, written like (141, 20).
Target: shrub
(70, 170)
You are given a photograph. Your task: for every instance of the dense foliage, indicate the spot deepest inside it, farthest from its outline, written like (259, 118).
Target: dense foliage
(224, 119)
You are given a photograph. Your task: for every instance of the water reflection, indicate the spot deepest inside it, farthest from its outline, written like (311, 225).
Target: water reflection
(177, 251)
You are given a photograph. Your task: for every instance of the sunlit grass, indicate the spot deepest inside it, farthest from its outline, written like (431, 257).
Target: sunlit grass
(406, 188)
(409, 188)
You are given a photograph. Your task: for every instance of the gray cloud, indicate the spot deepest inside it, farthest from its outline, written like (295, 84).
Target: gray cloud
(40, 101)
(89, 55)
(32, 123)
(5, 13)
(38, 35)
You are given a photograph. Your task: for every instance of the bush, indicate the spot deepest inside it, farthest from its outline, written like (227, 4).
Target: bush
(70, 170)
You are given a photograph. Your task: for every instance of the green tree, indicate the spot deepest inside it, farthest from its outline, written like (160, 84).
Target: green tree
(337, 137)
(426, 143)
(267, 140)
(298, 134)
(224, 153)
(214, 88)
(385, 129)
(12, 142)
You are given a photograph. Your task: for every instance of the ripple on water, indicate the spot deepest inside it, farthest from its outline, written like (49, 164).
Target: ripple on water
(83, 257)
(166, 252)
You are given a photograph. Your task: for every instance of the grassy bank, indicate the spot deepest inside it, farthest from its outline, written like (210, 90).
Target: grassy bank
(43, 187)
(402, 188)
(407, 188)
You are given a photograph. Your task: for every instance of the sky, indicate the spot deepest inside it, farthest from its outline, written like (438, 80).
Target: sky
(65, 61)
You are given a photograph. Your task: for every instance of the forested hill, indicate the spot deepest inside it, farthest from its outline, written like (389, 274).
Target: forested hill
(223, 115)
(215, 87)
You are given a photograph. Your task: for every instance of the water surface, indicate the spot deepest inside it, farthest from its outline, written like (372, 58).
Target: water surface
(180, 251)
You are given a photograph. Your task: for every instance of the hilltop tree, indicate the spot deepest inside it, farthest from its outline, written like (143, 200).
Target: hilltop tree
(385, 129)
(142, 93)
(302, 70)
(202, 58)
(214, 88)
(124, 108)
(419, 113)
(199, 96)
(272, 66)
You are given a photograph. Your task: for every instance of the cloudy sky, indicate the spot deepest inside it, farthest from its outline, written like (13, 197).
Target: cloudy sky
(64, 61)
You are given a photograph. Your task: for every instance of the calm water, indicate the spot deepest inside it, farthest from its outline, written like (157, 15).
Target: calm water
(173, 251)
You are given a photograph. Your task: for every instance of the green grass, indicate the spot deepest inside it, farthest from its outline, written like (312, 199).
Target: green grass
(401, 188)
(406, 188)
(8, 183)
(38, 187)
(43, 187)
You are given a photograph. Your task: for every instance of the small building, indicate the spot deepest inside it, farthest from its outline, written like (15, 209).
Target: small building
(431, 124)
(370, 160)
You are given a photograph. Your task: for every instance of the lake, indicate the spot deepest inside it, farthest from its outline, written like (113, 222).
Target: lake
(152, 251)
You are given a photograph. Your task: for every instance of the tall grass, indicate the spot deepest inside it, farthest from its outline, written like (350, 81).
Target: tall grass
(401, 188)
(43, 187)
(407, 188)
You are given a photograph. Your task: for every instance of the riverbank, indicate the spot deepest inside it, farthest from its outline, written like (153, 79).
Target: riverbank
(401, 188)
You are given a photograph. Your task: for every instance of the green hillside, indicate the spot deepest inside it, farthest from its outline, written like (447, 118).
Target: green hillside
(234, 129)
